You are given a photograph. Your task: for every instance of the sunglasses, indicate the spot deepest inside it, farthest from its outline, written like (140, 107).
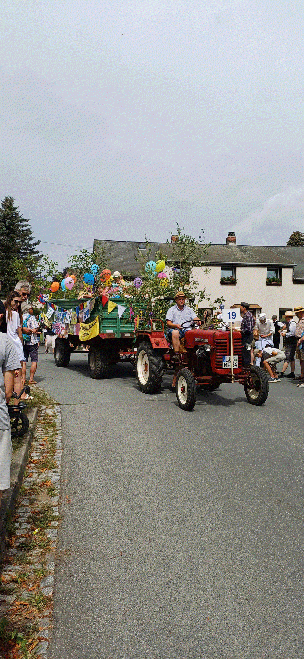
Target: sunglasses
(17, 301)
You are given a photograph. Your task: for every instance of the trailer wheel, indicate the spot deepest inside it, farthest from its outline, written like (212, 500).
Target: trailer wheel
(99, 363)
(186, 389)
(256, 387)
(62, 352)
(149, 369)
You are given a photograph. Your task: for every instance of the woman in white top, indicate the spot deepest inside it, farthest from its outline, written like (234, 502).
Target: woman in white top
(14, 331)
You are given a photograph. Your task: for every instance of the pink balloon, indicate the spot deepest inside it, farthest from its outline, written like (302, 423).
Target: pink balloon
(69, 283)
(162, 275)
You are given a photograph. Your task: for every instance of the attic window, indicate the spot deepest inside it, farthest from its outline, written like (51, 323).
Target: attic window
(142, 247)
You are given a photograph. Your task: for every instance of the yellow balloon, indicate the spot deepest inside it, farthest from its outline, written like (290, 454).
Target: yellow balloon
(164, 282)
(160, 265)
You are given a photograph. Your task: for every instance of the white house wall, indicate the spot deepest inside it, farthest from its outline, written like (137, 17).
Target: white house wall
(251, 287)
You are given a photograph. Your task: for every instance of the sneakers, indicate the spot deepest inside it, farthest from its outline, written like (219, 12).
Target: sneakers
(290, 375)
(274, 380)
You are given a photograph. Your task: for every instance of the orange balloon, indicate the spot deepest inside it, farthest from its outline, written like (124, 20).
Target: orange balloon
(54, 286)
(105, 275)
(73, 277)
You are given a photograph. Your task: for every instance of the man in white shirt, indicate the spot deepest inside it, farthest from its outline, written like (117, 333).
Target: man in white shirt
(179, 319)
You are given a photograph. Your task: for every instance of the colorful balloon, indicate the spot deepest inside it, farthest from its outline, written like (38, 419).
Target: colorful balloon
(74, 278)
(137, 282)
(88, 278)
(162, 275)
(105, 275)
(63, 285)
(160, 265)
(150, 268)
(94, 269)
(69, 283)
(55, 286)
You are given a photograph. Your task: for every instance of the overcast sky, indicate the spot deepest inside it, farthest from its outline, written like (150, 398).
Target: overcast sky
(121, 118)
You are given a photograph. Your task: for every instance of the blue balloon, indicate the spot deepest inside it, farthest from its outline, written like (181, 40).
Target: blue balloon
(63, 286)
(94, 269)
(88, 278)
(150, 267)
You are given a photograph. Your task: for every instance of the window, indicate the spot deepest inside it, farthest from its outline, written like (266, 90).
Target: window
(228, 275)
(274, 276)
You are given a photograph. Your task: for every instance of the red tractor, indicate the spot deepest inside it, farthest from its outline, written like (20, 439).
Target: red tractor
(208, 358)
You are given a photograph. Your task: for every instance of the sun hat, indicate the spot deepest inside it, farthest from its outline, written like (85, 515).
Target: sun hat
(298, 309)
(180, 294)
(116, 274)
(262, 316)
(288, 313)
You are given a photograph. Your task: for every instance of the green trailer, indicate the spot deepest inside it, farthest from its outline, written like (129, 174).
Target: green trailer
(108, 332)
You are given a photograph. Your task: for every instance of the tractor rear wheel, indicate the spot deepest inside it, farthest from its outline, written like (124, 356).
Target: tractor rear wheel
(149, 369)
(99, 362)
(62, 352)
(256, 387)
(186, 389)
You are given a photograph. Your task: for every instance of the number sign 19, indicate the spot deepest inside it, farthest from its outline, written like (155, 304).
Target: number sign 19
(231, 315)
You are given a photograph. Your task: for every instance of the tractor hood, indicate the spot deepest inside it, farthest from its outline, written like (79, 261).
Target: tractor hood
(197, 337)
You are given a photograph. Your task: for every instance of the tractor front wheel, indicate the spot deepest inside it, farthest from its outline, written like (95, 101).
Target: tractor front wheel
(256, 387)
(149, 369)
(186, 389)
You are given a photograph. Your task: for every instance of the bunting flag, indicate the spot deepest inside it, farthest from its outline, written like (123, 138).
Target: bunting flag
(88, 331)
(111, 306)
(120, 309)
(104, 300)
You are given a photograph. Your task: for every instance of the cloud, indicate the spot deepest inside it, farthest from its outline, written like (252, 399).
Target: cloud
(280, 214)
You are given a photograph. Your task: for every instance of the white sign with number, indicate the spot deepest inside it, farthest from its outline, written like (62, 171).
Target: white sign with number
(231, 315)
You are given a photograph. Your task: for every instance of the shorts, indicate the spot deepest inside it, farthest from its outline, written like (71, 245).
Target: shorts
(275, 359)
(182, 333)
(290, 351)
(5, 458)
(31, 350)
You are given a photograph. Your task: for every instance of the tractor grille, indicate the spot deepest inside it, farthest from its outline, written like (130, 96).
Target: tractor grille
(221, 350)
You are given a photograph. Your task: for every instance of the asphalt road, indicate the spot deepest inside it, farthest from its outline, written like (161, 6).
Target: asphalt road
(182, 532)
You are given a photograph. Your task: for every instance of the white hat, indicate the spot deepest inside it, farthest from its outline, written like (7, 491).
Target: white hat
(262, 316)
(116, 274)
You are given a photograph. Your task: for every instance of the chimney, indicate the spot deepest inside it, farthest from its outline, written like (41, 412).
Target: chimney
(231, 239)
(174, 239)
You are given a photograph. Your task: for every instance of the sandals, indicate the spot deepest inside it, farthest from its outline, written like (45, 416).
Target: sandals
(32, 382)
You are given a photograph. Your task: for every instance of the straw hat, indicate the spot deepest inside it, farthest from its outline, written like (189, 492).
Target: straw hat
(180, 294)
(289, 314)
(298, 309)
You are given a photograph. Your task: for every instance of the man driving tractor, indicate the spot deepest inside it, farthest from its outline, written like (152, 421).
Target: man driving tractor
(179, 319)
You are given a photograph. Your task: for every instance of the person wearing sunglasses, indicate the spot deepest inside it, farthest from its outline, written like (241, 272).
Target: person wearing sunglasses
(14, 332)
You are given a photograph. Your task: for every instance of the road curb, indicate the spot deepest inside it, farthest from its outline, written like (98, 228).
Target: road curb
(18, 465)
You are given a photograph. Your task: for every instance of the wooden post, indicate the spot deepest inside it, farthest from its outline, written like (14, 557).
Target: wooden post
(231, 352)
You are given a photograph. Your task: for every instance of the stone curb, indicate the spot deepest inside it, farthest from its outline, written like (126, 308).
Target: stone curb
(19, 462)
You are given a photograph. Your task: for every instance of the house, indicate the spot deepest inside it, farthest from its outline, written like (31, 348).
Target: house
(270, 278)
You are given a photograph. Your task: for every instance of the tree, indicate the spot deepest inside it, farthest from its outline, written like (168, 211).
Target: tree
(296, 239)
(18, 248)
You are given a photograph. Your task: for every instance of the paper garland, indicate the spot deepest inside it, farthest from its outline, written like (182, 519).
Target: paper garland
(111, 306)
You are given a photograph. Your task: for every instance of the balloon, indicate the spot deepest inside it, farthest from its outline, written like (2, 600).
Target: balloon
(74, 278)
(63, 285)
(105, 275)
(94, 269)
(160, 266)
(54, 286)
(164, 282)
(69, 283)
(162, 275)
(137, 282)
(150, 268)
(88, 278)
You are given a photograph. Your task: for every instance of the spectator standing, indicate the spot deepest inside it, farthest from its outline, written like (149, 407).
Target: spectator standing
(299, 312)
(266, 330)
(3, 327)
(277, 328)
(24, 290)
(247, 325)
(31, 343)
(9, 362)
(290, 344)
(14, 331)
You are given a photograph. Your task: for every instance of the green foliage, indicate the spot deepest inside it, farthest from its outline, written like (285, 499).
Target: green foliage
(19, 255)
(81, 263)
(181, 256)
(296, 239)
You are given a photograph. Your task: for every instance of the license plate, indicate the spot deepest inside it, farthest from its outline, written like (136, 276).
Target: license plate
(227, 361)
